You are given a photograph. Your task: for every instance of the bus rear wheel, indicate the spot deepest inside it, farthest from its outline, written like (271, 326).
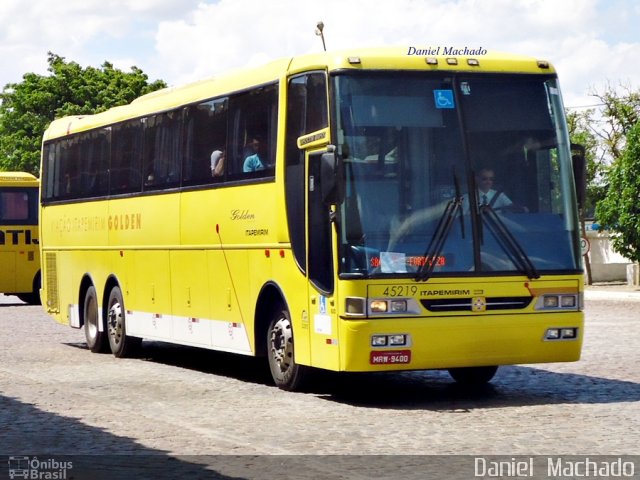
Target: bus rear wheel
(96, 339)
(121, 344)
(286, 373)
(473, 376)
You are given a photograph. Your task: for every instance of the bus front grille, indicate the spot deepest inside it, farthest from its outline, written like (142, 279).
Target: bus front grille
(476, 304)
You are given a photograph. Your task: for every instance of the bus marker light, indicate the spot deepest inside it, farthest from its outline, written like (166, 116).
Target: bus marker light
(354, 60)
(267, 253)
(431, 60)
(473, 62)
(452, 61)
(354, 306)
(281, 253)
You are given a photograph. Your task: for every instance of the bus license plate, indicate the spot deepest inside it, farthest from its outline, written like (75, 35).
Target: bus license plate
(394, 357)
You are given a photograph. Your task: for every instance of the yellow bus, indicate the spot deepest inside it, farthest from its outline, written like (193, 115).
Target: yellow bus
(323, 212)
(19, 249)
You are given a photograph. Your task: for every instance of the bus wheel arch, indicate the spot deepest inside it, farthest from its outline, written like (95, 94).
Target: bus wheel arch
(33, 298)
(274, 338)
(269, 299)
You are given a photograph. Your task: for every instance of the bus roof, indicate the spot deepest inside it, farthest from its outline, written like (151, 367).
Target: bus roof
(18, 179)
(386, 58)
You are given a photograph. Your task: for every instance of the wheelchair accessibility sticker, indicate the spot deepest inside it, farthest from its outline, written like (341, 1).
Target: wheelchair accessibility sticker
(443, 98)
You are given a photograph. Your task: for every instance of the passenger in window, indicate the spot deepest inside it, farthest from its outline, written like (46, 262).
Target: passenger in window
(151, 179)
(251, 148)
(217, 163)
(253, 162)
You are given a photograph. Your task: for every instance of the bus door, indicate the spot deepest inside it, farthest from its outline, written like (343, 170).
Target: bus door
(323, 319)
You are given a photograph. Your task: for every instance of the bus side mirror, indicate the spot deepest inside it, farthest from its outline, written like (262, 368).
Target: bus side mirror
(331, 177)
(578, 160)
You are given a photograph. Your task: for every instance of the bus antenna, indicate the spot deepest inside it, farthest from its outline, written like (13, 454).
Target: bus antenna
(319, 30)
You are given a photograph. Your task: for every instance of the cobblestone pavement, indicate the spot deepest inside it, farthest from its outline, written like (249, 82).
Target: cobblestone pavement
(56, 398)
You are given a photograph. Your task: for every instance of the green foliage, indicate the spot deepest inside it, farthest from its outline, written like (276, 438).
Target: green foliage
(28, 107)
(619, 212)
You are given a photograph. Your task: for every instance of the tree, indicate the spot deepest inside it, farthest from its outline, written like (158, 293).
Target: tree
(619, 212)
(620, 112)
(603, 132)
(28, 107)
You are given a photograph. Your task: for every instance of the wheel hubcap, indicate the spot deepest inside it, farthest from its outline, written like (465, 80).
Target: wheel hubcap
(282, 344)
(115, 322)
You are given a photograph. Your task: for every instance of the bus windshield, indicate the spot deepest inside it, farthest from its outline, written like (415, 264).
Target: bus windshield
(454, 174)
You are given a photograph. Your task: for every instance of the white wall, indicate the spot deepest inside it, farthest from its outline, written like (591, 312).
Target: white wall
(606, 264)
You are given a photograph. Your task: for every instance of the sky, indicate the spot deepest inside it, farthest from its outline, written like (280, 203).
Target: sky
(592, 43)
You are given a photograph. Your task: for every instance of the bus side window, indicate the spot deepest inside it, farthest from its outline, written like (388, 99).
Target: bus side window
(205, 131)
(126, 153)
(161, 155)
(94, 162)
(253, 130)
(69, 174)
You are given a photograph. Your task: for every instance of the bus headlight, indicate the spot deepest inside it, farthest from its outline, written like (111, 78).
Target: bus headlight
(358, 307)
(564, 301)
(378, 306)
(397, 340)
(398, 306)
(561, 333)
(392, 340)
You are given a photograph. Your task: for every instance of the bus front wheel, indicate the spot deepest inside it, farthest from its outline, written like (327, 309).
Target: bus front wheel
(96, 339)
(121, 344)
(286, 373)
(473, 376)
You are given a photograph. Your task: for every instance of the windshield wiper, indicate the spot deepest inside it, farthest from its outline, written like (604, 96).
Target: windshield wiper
(441, 233)
(508, 242)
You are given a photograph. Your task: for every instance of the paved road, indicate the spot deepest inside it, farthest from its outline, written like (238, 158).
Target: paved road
(57, 399)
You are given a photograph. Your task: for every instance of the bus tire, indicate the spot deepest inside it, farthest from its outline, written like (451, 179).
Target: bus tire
(473, 376)
(122, 345)
(286, 373)
(96, 340)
